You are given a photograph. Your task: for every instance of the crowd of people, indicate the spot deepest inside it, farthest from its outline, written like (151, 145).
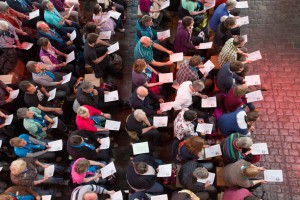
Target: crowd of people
(41, 108)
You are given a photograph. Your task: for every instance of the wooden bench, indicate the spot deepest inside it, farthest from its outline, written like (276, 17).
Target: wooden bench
(214, 60)
(180, 62)
(220, 177)
(7, 79)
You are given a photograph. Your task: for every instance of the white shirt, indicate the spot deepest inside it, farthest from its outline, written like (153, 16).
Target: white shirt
(184, 96)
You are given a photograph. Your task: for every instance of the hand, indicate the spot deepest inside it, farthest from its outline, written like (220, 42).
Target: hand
(105, 129)
(247, 61)
(252, 129)
(66, 17)
(45, 178)
(26, 17)
(248, 152)
(69, 43)
(153, 127)
(8, 100)
(107, 116)
(102, 165)
(110, 192)
(245, 54)
(169, 63)
(8, 89)
(264, 181)
(34, 8)
(63, 64)
(161, 39)
(204, 96)
(46, 150)
(207, 184)
(24, 33)
(69, 35)
(97, 150)
(261, 169)
(169, 52)
(161, 100)
(69, 22)
(49, 126)
(159, 112)
(98, 175)
(205, 74)
(58, 111)
(2, 125)
(106, 92)
(113, 8)
(106, 53)
(38, 198)
(95, 92)
(45, 166)
(159, 83)
(200, 121)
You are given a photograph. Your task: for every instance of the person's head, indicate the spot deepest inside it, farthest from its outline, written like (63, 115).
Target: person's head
(32, 66)
(140, 167)
(92, 38)
(251, 197)
(142, 92)
(189, 115)
(83, 112)
(181, 196)
(75, 140)
(244, 142)
(18, 166)
(229, 22)
(27, 87)
(90, 195)
(44, 43)
(147, 21)
(252, 116)
(146, 41)
(250, 171)
(230, 4)
(5, 196)
(239, 41)
(188, 22)
(200, 173)
(3, 25)
(240, 90)
(3, 7)
(139, 65)
(139, 115)
(17, 142)
(23, 113)
(194, 144)
(42, 26)
(198, 85)
(87, 87)
(236, 66)
(90, 27)
(82, 166)
(195, 61)
(97, 9)
(48, 5)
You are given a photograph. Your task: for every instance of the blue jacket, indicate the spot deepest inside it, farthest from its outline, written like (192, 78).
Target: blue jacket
(215, 19)
(142, 30)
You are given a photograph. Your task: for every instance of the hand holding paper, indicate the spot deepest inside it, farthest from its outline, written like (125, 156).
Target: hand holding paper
(273, 175)
(210, 102)
(163, 34)
(160, 121)
(108, 170)
(206, 45)
(67, 78)
(164, 170)
(175, 57)
(254, 96)
(204, 128)
(14, 94)
(113, 48)
(52, 94)
(49, 171)
(111, 96)
(213, 151)
(70, 57)
(105, 143)
(252, 80)
(55, 145)
(165, 77)
(139, 148)
(112, 125)
(8, 120)
(105, 35)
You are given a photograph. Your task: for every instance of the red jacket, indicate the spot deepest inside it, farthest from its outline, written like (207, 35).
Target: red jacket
(87, 123)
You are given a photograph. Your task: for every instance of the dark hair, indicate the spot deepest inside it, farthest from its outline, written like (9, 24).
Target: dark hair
(238, 40)
(145, 19)
(189, 115)
(75, 140)
(97, 9)
(252, 116)
(251, 197)
(195, 60)
(140, 167)
(236, 66)
(24, 85)
(42, 42)
(187, 21)
(229, 22)
(139, 65)
(194, 144)
(90, 27)
(92, 38)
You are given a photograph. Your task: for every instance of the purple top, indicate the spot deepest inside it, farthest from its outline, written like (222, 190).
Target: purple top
(3, 93)
(59, 5)
(182, 40)
(50, 54)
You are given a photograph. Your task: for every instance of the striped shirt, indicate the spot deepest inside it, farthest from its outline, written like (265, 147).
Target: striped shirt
(81, 190)
(141, 52)
(230, 151)
(228, 53)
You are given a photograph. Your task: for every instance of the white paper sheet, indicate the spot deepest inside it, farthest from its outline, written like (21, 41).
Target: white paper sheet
(164, 170)
(117, 196)
(71, 10)
(160, 197)
(8, 120)
(246, 37)
(208, 66)
(256, 55)
(52, 94)
(114, 14)
(46, 197)
(205, 45)
(210, 102)
(252, 80)
(166, 106)
(204, 128)
(26, 45)
(73, 35)
(141, 147)
(242, 4)
(111, 96)
(113, 48)
(254, 96)
(161, 121)
(108, 170)
(49, 171)
(1, 169)
(175, 57)
(259, 149)
(67, 78)
(210, 178)
(70, 57)
(105, 35)
(112, 125)
(105, 143)
(213, 151)
(54, 125)
(163, 34)
(34, 14)
(0, 143)
(165, 77)
(273, 175)
(242, 21)
(14, 94)
(202, 155)
(209, 4)
(164, 5)
(56, 145)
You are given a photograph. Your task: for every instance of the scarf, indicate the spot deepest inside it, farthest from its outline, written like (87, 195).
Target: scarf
(23, 197)
(84, 144)
(47, 73)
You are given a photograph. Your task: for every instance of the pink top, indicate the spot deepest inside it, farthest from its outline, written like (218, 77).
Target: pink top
(238, 194)
(232, 102)
(77, 178)
(145, 5)
(87, 123)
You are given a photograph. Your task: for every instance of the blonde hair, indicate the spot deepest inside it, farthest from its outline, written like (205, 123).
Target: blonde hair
(83, 112)
(250, 171)
(3, 25)
(82, 166)
(17, 166)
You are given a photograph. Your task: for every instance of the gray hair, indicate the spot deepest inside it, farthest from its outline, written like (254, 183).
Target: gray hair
(244, 142)
(87, 85)
(83, 112)
(231, 3)
(45, 3)
(3, 6)
(31, 66)
(21, 112)
(200, 173)
(198, 85)
(4, 25)
(139, 114)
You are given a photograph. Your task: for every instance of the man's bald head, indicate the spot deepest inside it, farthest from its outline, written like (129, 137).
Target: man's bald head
(142, 91)
(90, 196)
(146, 41)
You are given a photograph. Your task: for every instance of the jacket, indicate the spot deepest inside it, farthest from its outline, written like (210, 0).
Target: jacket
(142, 30)
(87, 124)
(182, 40)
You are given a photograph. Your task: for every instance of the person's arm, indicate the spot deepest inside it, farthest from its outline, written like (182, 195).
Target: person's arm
(237, 77)
(152, 84)
(161, 48)
(255, 182)
(100, 59)
(93, 110)
(49, 109)
(101, 42)
(86, 180)
(145, 130)
(36, 154)
(40, 181)
(96, 163)
(177, 104)
(36, 141)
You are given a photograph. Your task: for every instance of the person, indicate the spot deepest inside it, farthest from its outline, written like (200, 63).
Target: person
(24, 172)
(144, 50)
(23, 6)
(139, 123)
(89, 192)
(141, 98)
(237, 122)
(19, 192)
(231, 52)
(223, 33)
(191, 7)
(239, 194)
(86, 144)
(144, 27)
(91, 119)
(152, 8)
(184, 40)
(63, 7)
(89, 27)
(236, 147)
(141, 174)
(242, 174)
(39, 124)
(227, 75)
(101, 20)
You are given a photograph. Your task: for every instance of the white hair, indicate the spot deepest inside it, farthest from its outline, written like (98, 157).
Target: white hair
(244, 142)
(139, 115)
(3, 25)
